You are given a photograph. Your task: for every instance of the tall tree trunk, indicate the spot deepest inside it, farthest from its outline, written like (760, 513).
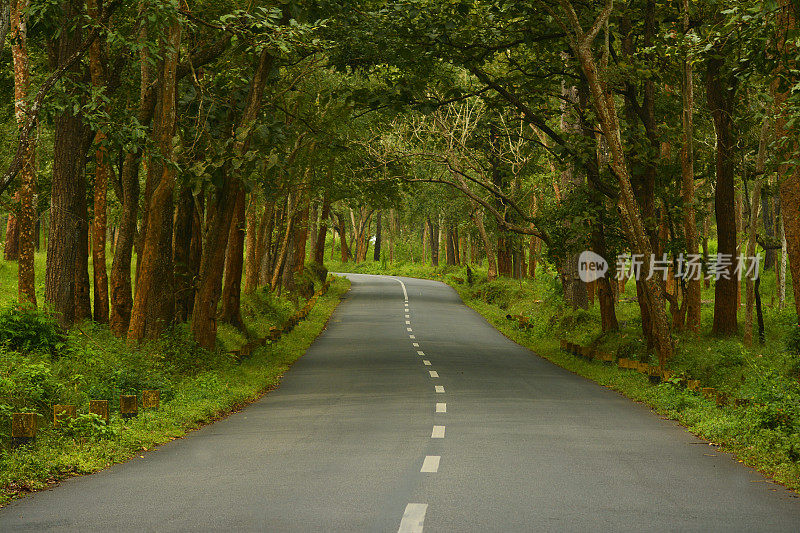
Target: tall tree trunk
(434, 234)
(26, 287)
(285, 242)
(101, 177)
(252, 239)
(153, 310)
(693, 286)
(720, 92)
(181, 250)
(301, 235)
(605, 108)
(204, 320)
(477, 217)
(120, 286)
(377, 255)
(260, 273)
(83, 304)
(11, 249)
(69, 161)
(752, 229)
(319, 245)
(232, 288)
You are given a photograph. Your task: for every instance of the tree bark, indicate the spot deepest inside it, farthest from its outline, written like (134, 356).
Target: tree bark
(182, 232)
(719, 92)
(252, 240)
(752, 229)
(434, 241)
(693, 286)
(232, 287)
(154, 309)
(69, 161)
(24, 228)
(102, 174)
(376, 256)
(319, 245)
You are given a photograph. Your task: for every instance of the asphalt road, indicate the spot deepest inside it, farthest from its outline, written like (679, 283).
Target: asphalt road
(357, 438)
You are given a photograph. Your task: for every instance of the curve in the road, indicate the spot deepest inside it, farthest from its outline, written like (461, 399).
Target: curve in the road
(354, 440)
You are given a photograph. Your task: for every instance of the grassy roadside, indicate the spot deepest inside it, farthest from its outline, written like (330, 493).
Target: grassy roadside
(191, 400)
(765, 434)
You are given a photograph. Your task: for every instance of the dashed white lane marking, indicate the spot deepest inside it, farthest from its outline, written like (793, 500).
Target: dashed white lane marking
(438, 432)
(431, 463)
(441, 407)
(426, 362)
(411, 336)
(415, 344)
(439, 389)
(420, 352)
(405, 293)
(433, 373)
(413, 518)
(408, 322)
(409, 329)
(408, 316)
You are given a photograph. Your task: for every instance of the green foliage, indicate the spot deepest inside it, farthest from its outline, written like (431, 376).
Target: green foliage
(89, 426)
(27, 330)
(793, 341)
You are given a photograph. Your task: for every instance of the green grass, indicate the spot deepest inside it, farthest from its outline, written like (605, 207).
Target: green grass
(197, 387)
(764, 434)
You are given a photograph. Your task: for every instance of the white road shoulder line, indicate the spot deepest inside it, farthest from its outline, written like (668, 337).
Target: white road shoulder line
(438, 432)
(439, 389)
(431, 463)
(413, 518)
(441, 407)
(426, 362)
(433, 373)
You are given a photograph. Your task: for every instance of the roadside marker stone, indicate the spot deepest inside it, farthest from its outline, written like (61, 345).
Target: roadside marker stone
(99, 408)
(128, 407)
(23, 428)
(151, 399)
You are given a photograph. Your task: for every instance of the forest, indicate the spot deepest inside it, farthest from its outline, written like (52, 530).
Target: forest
(177, 178)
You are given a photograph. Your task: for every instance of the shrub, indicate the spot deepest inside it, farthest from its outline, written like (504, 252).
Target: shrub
(793, 341)
(26, 330)
(318, 271)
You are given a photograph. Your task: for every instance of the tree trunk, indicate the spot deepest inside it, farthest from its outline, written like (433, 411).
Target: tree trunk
(319, 245)
(477, 217)
(11, 249)
(605, 108)
(204, 315)
(693, 286)
(752, 229)
(101, 177)
(720, 92)
(232, 288)
(26, 287)
(69, 160)
(434, 240)
(284, 249)
(181, 250)
(252, 241)
(376, 256)
(301, 236)
(154, 309)
(83, 304)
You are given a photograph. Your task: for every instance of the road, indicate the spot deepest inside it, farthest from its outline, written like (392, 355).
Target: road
(403, 417)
